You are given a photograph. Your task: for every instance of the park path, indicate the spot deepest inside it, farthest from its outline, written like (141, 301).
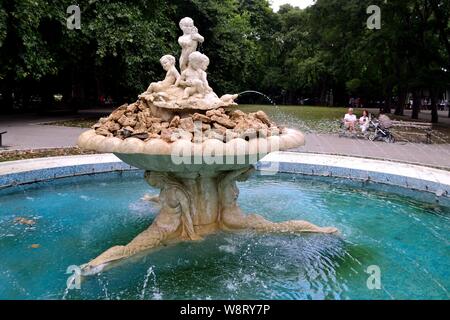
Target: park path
(27, 132)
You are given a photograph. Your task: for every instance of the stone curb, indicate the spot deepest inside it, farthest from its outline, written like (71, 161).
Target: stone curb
(386, 172)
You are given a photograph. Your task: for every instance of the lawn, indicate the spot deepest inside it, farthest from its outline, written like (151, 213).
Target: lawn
(311, 119)
(306, 118)
(77, 123)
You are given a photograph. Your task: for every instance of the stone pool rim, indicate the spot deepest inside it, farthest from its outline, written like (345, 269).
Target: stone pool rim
(410, 176)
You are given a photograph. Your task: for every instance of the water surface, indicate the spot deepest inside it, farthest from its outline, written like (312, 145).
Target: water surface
(404, 233)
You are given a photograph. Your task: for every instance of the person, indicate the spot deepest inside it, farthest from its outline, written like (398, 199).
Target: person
(442, 105)
(364, 121)
(384, 120)
(350, 120)
(351, 102)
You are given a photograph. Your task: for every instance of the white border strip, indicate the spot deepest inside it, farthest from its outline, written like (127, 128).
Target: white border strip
(363, 164)
(12, 167)
(394, 173)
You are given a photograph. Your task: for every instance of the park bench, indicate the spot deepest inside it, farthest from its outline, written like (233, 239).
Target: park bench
(425, 128)
(1, 134)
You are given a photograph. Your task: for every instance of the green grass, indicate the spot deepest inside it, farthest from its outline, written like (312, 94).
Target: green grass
(306, 118)
(307, 113)
(311, 119)
(77, 123)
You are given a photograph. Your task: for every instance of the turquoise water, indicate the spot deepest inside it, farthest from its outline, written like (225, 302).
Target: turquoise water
(406, 234)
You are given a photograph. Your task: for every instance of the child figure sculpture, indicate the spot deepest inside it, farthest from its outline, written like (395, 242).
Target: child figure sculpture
(194, 78)
(188, 41)
(172, 75)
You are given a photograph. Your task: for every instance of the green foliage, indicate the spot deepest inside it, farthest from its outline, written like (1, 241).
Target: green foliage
(295, 52)
(116, 40)
(353, 85)
(3, 17)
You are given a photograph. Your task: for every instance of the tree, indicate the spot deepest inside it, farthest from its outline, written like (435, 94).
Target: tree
(290, 54)
(117, 48)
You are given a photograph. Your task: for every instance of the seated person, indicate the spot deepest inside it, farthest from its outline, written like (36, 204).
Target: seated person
(384, 120)
(350, 120)
(364, 121)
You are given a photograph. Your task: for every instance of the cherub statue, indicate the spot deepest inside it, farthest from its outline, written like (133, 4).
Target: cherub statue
(172, 75)
(204, 66)
(188, 41)
(194, 78)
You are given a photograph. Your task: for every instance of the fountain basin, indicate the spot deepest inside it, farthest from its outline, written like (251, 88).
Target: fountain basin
(290, 138)
(184, 156)
(189, 164)
(404, 232)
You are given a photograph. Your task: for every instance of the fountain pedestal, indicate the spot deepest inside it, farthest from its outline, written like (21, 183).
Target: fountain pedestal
(191, 196)
(194, 206)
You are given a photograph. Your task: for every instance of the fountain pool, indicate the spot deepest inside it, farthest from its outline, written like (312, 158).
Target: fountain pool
(405, 233)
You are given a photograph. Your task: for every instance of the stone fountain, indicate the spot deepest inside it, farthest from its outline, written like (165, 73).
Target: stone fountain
(193, 146)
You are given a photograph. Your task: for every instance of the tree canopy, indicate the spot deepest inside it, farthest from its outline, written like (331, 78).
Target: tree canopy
(290, 54)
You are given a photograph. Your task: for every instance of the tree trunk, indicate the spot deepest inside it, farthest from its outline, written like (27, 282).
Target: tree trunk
(322, 96)
(387, 101)
(434, 107)
(400, 108)
(291, 97)
(416, 105)
(8, 101)
(26, 98)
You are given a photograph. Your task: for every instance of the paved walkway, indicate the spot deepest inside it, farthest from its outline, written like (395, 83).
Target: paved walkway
(20, 137)
(27, 132)
(425, 115)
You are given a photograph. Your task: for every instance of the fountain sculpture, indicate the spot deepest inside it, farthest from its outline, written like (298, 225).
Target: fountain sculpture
(193, 146)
